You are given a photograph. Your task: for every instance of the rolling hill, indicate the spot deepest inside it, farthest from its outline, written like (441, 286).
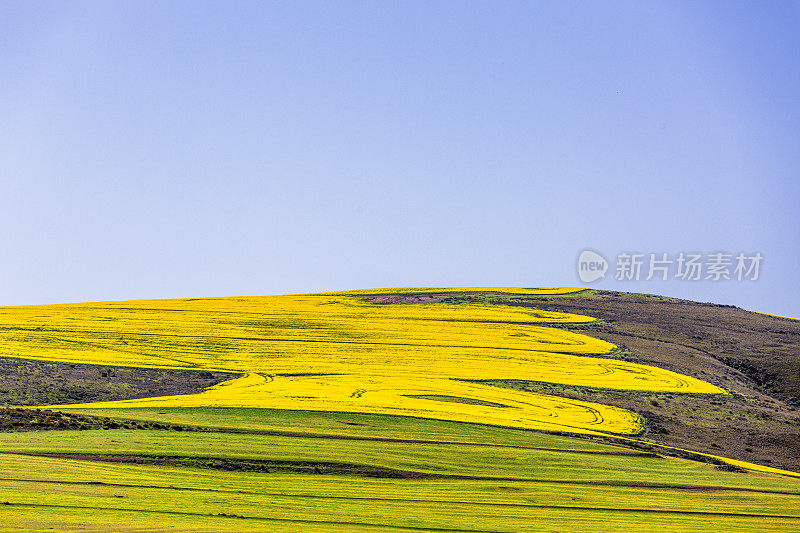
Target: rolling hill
(477, 409)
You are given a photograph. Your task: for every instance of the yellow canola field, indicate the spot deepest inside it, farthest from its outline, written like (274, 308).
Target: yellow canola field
(388, 351)
(444, 399)
(277, 334)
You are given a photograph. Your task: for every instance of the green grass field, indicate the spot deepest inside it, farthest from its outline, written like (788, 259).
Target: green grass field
(390, 474)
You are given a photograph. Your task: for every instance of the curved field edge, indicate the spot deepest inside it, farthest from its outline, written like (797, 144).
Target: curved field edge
(440, 290)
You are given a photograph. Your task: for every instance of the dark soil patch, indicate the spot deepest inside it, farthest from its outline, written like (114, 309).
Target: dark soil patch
(28, 382)
(44, 419)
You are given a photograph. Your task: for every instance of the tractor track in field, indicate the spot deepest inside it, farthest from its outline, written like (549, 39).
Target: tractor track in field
(543, 481)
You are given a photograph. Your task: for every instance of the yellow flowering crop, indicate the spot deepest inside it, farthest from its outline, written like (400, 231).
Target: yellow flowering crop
(364, 357)
(422, 397)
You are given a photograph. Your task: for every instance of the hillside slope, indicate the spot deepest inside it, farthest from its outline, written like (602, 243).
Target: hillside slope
(495, 409)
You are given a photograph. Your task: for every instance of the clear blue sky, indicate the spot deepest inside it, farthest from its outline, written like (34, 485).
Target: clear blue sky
(169, 149)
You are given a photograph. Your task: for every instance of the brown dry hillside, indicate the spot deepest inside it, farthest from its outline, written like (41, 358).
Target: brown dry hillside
(754, 356)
